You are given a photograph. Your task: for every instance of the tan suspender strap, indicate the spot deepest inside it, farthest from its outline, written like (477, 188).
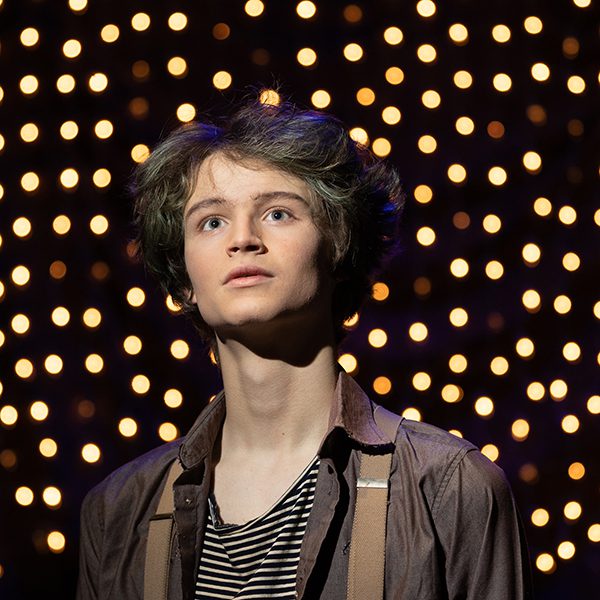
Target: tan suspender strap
(366, 567)
(158, 545)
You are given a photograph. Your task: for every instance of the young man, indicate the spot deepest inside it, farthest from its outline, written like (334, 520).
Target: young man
(268, 231)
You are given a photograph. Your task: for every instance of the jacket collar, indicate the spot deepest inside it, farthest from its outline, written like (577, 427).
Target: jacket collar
(351, 411)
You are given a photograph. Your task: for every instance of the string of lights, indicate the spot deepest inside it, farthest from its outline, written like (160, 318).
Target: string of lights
(483, 324)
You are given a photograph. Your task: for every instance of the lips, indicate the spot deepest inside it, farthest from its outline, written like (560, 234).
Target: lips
(246, 272)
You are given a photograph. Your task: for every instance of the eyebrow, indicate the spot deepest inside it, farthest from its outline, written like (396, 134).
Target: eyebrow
(262, 197)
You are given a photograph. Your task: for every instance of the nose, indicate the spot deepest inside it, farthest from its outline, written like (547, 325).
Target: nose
(245, 237)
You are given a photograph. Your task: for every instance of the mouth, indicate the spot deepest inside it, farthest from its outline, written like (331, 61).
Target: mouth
(242, 276)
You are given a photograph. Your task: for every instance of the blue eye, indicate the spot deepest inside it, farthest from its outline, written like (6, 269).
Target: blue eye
(278, 215)
(212, 223)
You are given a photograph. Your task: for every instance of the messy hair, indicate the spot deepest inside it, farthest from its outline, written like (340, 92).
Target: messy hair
(356, 197)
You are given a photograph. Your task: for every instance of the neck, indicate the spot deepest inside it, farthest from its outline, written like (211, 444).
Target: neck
(274, 404)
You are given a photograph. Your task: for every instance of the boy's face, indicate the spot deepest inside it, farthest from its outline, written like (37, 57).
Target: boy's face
(253, 253)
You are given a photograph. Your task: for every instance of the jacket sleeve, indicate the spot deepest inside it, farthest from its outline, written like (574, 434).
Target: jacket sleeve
(481, 533)
(90, 548)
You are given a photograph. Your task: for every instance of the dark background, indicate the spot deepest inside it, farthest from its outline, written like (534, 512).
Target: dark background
(80, 269)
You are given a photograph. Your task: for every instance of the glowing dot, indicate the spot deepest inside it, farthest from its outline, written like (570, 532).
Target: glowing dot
(61, 225)
(531, 300)
(77, 5)
(382, 385)
(542, 207)
(594, 532)
(24, 495)
(571, 351)
(426, 53)
(140, 21)
(359, 135)
(458, 363)
(484, 406)
(306, 57)
(394, 75)
(140, 152)
(455, 432)
(177, 21)
(177, 66)
(426, 8)
(570, 424)
(427, 144)
(502, 82)
(381, 147)
(94, 363)
(380, 291)
(593, 405)
(21, 227)
(532, 161)
(545, 563)
(180, 349)
(48, 448)
(99, 224)
(90, 453)
(457, 173)
(423, 194)
(52, 496)
(425, 236)
(533, 25)
(431, 99)
(56, 542)
(306, 9)
(365, 96)
(136, 296)
(497, 176)
(567, 215)
(353, 52)
(576, 84)
(452, 393)
(566, 550)
(109, 33)
(29, 37)
(536, 391)
(418, 332)
(29, 132)
(30, 181)
(221, 31)
(29, 84)
(458, 317)
(531, 253)
(71, 48)
(465, 125)
(463, 79)
(459, 267)
(348, 362)
(222, 80)
(540, 517)
(558, 389)
(254, 8)
(53, 364)
(393, 36)
(582, 3)
(20, 323)
(39, 410)
(8, 415)
(103, 129)
(491, 452)
(540, 71)
(140, 384)
(20, 275)
(132, 344)
(98, 82)
(127, 427)
(168, 432)
(571, 262)
(520, 430)
(421, 381)
(377, 338)
(576, 470)
(101, 177)
(24, 368)
(69, 130)
(458, 33)
(172, 305)
(391, 115)
(65, 84)
(69, 178)
(501, 33)
(572, 510)
(411, 413)
(173, 398)
(524, 347)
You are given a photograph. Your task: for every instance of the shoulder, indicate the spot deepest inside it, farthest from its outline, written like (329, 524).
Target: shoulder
(135, 482)
(445, 464)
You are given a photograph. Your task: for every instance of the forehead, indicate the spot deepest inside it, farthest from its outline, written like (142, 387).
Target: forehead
(229, 178)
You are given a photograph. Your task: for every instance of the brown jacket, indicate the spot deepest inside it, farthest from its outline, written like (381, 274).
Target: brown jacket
(453, 529)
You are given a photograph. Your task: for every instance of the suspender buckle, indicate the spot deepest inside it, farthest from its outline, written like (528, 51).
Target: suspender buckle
(369, 482)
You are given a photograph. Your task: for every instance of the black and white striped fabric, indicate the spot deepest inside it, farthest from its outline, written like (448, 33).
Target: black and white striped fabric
(258, 559)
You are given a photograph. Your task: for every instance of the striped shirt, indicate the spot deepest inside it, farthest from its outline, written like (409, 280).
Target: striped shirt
(258, 559)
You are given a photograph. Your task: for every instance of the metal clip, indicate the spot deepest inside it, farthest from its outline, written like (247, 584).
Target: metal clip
(367, 482)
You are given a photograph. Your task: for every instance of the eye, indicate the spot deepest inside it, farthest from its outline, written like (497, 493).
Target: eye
(211, 224)
(278, 214)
